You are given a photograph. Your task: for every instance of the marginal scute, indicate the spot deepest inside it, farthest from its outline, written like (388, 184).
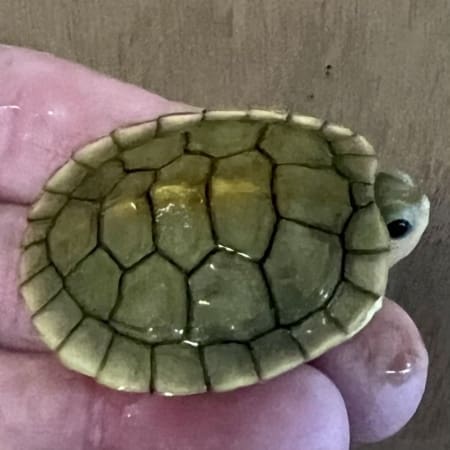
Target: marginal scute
(155, 153)
(179, 122)
(47, 206)
(67, 178)
(225, 115)
(316, 197)
(276, 353)
(85, 348)
(36, 231)
(94, 284)
(267, 116)
(241, 203)
(362, 194)
(57, 319)
(229, 366)
(305, 122)
(359, 168)
(126, 230)
(367, 231)
(153, 306)
(334, 132)
(293, 145)
(183, 227)
(351, 307)
(222, 138)
(317, 334)
(99, 183)
(303, 268)
(354, 145)
(41, 288)
(135, 135)
(178, 370)
(127, 366)
(133, 186)
(73, 235)
(369, 272)
(34, 258)
(229, 300)
(96, 153)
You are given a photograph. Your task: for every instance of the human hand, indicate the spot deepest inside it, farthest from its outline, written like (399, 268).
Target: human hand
(366, 389)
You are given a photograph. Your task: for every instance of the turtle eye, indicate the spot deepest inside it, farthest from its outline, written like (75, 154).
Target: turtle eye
(399, 228)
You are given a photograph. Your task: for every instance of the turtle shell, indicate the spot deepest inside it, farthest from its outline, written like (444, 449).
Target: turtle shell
(206, 251)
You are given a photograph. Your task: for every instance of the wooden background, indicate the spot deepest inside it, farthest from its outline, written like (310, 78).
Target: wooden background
(381, 67)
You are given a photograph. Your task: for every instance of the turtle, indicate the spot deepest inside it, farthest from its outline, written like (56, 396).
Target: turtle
(212, 250)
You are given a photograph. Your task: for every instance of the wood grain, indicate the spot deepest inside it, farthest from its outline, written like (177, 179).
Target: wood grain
(380, 67)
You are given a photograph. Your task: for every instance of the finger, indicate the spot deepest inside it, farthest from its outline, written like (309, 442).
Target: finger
(49, 107)
(381, 374)
(42, 405)
(16, 329)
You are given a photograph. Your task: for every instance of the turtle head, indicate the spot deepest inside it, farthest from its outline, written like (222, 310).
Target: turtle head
(404, 208)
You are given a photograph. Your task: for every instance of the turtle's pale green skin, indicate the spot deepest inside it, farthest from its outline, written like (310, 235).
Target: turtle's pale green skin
(208, 251)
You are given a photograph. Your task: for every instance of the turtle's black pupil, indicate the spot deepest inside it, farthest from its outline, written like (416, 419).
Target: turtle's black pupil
(398, 228)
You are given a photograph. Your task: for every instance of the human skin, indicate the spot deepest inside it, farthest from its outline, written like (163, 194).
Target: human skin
(364, 390)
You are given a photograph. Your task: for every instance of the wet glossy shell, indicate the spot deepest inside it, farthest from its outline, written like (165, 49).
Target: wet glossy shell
(206, 251)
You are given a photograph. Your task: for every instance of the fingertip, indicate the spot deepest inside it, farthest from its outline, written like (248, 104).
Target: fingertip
(381, 374)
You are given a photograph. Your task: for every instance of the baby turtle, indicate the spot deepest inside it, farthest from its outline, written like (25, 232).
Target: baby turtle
(208, 251)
